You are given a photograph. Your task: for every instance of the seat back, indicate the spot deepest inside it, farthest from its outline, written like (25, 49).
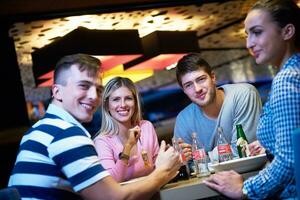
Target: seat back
(9, 193)
(296, 146)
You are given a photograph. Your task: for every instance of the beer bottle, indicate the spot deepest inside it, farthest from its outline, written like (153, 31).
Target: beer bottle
(242, 142)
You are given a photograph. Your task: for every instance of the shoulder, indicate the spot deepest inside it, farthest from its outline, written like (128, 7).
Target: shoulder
(145, 123)
(146, 126)
(104, 138)
(240, 91)
(57, 127)
(238, 87)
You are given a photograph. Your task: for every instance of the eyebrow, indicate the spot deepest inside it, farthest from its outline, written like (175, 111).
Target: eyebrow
(252, 28)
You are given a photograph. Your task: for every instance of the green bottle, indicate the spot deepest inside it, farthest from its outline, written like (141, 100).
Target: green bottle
(242, 142)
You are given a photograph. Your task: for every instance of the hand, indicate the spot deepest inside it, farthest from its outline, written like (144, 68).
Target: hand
(255, 148)
(168, 160)
(134, 135)
(228, 183)
(186, 149)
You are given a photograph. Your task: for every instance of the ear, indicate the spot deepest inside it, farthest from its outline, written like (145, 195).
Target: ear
(288, 32)
(213, 76)
(56, 92)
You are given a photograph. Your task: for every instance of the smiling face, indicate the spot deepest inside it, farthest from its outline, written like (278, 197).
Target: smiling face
(265, 40)
(200, 87)
(80, 96)
(121, 105)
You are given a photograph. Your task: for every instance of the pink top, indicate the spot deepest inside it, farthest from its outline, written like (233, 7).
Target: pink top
(108, 149)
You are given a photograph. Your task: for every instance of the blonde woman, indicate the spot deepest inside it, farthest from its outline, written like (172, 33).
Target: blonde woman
(127, 146)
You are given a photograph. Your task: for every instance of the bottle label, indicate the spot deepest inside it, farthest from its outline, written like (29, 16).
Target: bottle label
(183, 158)
(224, 149)
(198, 154)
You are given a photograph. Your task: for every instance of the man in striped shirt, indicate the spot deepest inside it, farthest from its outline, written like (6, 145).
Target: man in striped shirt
(57, 158)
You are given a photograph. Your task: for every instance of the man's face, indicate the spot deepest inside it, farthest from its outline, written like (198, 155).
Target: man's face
(200, 87)
(81, 95)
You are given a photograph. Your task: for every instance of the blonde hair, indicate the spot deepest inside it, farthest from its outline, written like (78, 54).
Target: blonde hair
(109, 125)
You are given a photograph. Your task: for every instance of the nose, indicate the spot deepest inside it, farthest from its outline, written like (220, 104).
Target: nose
(249, 42)
(123, 103)
(197, 87)
(92, 93)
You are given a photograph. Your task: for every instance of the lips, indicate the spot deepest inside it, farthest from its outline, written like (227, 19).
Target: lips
(123, 112)
(256, 54)
(200, 96)
(87, 107)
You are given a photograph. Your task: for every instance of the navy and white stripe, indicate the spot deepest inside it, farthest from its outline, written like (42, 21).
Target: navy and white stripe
(56, 159)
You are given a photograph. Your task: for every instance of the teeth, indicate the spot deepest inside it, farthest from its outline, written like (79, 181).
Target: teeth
(123, 112)
(87, 106)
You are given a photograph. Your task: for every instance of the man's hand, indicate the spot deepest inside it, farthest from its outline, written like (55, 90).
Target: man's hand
(186, 149)
(228, 183)
(168, 160)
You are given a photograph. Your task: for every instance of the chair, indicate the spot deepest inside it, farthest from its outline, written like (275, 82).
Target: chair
(9, 193)
(296, 146)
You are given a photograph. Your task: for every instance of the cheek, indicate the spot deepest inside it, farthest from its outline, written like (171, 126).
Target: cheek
(111, 107)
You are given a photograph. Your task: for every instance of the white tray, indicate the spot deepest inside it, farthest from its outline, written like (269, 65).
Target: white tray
(242, 165)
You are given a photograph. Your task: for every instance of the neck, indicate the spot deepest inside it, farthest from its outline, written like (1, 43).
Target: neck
(123, 130)
(291, 50)
(213, 109)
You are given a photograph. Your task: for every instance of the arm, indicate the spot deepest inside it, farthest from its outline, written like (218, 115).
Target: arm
(109, 159)
(166, 168)
(182, 128)
(285, 107)
(108, 153)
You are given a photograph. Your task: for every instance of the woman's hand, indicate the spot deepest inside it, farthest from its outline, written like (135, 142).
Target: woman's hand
(255, 148)
(134, 135)
(228, 183)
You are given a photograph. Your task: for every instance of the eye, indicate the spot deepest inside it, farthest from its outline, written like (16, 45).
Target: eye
(256, 32)
(115, 99)
(84, 86)
(130, 98)
(187, 85)
(200, 79)
(99, 90)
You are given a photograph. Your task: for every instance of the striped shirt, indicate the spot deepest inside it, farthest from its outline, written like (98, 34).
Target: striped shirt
(280, 117)
(56, 159)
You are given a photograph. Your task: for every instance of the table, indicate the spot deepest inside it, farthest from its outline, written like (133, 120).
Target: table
(190, 189)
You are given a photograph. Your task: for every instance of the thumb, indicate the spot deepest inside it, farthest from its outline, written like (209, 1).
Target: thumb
(162, 146)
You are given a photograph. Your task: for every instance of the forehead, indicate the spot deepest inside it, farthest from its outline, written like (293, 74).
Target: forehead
(77, 75)
(191, 76)
(121, 91)
(257, 18)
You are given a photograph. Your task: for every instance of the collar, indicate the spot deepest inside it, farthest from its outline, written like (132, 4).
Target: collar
(64, 115)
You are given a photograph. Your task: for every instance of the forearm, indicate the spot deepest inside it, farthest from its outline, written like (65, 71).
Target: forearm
(118, 170)
(146, 188)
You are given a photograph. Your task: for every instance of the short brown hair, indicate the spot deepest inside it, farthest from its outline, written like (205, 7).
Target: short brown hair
(83, 61)
(189, 63)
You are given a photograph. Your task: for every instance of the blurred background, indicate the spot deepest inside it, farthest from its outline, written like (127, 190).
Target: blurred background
(139, 39)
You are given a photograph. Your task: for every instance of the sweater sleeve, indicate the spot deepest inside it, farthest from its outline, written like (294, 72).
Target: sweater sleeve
(108, 157)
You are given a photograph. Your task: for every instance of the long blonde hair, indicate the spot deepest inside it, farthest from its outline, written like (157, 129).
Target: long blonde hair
(109, 125)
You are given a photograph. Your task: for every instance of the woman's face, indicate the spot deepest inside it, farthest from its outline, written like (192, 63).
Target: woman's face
(264, 41)
(122, 105)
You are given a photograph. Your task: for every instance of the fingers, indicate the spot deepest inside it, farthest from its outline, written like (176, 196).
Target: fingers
(162, 146)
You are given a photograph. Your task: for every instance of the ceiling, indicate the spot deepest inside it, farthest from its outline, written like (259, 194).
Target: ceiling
(218, 25)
